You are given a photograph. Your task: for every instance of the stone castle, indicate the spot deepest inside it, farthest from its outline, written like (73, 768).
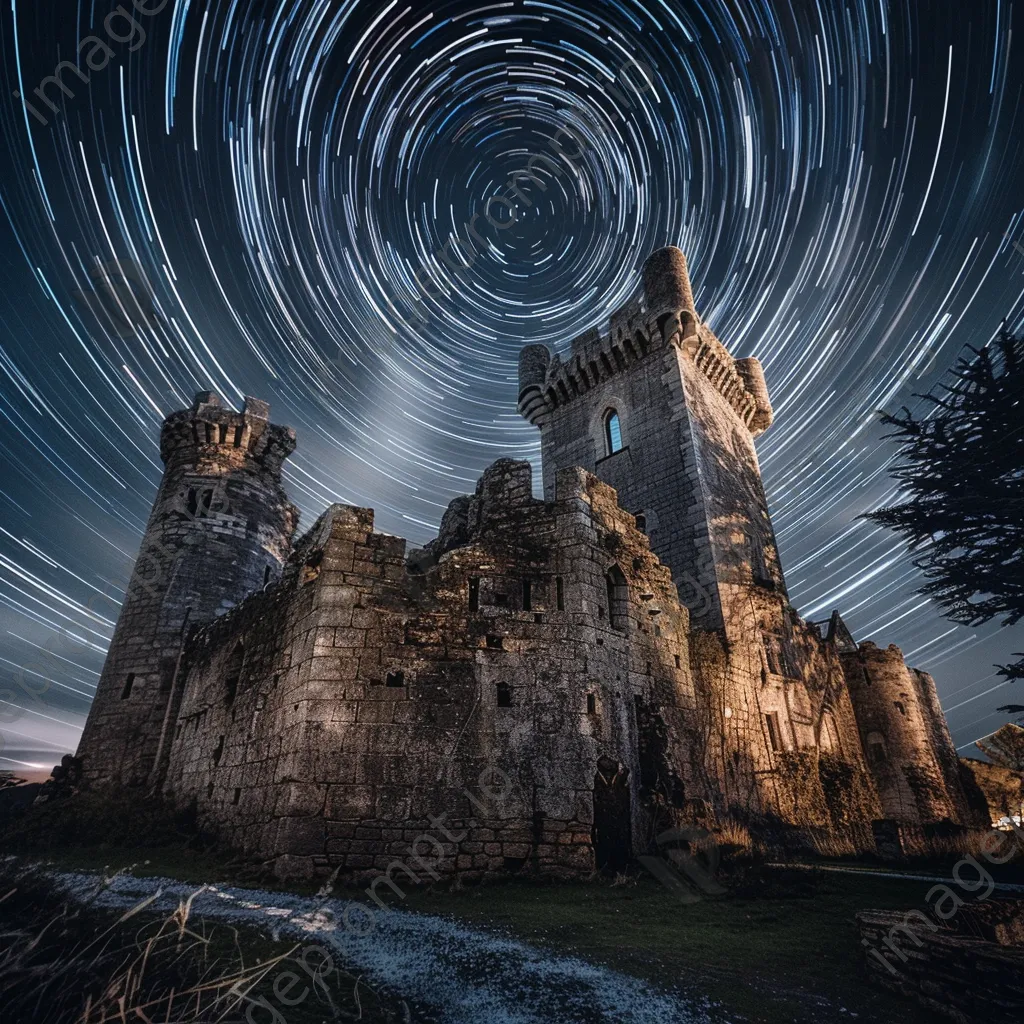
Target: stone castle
(549, 684)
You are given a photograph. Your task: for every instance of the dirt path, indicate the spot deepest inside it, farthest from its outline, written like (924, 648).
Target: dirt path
(451, 973)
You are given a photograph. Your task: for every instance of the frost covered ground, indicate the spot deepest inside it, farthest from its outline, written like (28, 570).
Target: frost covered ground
(449, 973)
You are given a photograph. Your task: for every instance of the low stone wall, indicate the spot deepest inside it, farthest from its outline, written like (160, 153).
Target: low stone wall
(958, 976)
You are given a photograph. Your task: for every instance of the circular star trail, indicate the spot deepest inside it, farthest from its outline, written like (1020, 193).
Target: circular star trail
(360, 212)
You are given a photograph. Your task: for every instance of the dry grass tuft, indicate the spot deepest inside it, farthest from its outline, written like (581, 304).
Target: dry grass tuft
(65, 962)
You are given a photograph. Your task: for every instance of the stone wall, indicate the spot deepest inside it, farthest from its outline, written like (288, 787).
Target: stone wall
(897, 731)
(785, 747)
(370, 699)
(220, 528)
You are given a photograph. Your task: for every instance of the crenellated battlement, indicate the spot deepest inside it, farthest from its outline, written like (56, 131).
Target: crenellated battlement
(209, 431)
(662, 314)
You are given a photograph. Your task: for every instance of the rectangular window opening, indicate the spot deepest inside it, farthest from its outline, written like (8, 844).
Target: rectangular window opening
(527, 596)
(559, 594)
(774, 734)
(128, 684)
(474, 593)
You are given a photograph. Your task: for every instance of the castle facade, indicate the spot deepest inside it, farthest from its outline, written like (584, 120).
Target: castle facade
(552, 682)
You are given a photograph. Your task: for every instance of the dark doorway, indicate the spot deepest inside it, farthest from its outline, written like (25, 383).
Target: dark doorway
(612, 834)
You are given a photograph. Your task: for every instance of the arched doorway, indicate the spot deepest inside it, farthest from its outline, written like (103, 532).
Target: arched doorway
(613, 826)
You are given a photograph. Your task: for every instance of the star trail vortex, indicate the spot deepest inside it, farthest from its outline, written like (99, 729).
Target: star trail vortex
(323, 204)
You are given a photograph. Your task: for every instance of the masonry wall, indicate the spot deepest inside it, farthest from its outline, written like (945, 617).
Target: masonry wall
(372, 699)
(220, 528)
(964, 810)
(785, 748)
(896, 730)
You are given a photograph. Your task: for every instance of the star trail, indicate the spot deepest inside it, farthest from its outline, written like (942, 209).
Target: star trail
(360, 211)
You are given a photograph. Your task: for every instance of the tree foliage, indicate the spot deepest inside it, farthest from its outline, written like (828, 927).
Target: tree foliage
(961, 469)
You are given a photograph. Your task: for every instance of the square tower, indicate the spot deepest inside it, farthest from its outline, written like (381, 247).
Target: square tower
(659, 409)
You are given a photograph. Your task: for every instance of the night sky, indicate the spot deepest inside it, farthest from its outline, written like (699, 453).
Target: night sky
(279, 180)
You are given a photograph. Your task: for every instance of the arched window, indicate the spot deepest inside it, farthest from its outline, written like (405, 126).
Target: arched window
(617, 595)
(612, 432)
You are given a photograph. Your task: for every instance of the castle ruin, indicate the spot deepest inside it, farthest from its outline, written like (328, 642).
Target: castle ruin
(552, 682)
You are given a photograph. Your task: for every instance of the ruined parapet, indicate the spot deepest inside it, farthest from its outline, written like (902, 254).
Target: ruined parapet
(895, 728)
(995, 792)
(338, 710)
(505, 485)
(1005, 747)
(454, 530)
(220, 530)
(215, 439)
(998, 787)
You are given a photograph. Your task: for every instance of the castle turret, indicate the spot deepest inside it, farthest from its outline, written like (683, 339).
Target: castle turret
(659, 409)
(896, 711)
(221, 529)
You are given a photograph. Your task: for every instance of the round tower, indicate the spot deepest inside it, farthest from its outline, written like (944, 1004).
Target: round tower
(221, 529)
(897, 736)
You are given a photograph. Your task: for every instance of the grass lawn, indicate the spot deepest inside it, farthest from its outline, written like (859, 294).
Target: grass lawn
(783, 948)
